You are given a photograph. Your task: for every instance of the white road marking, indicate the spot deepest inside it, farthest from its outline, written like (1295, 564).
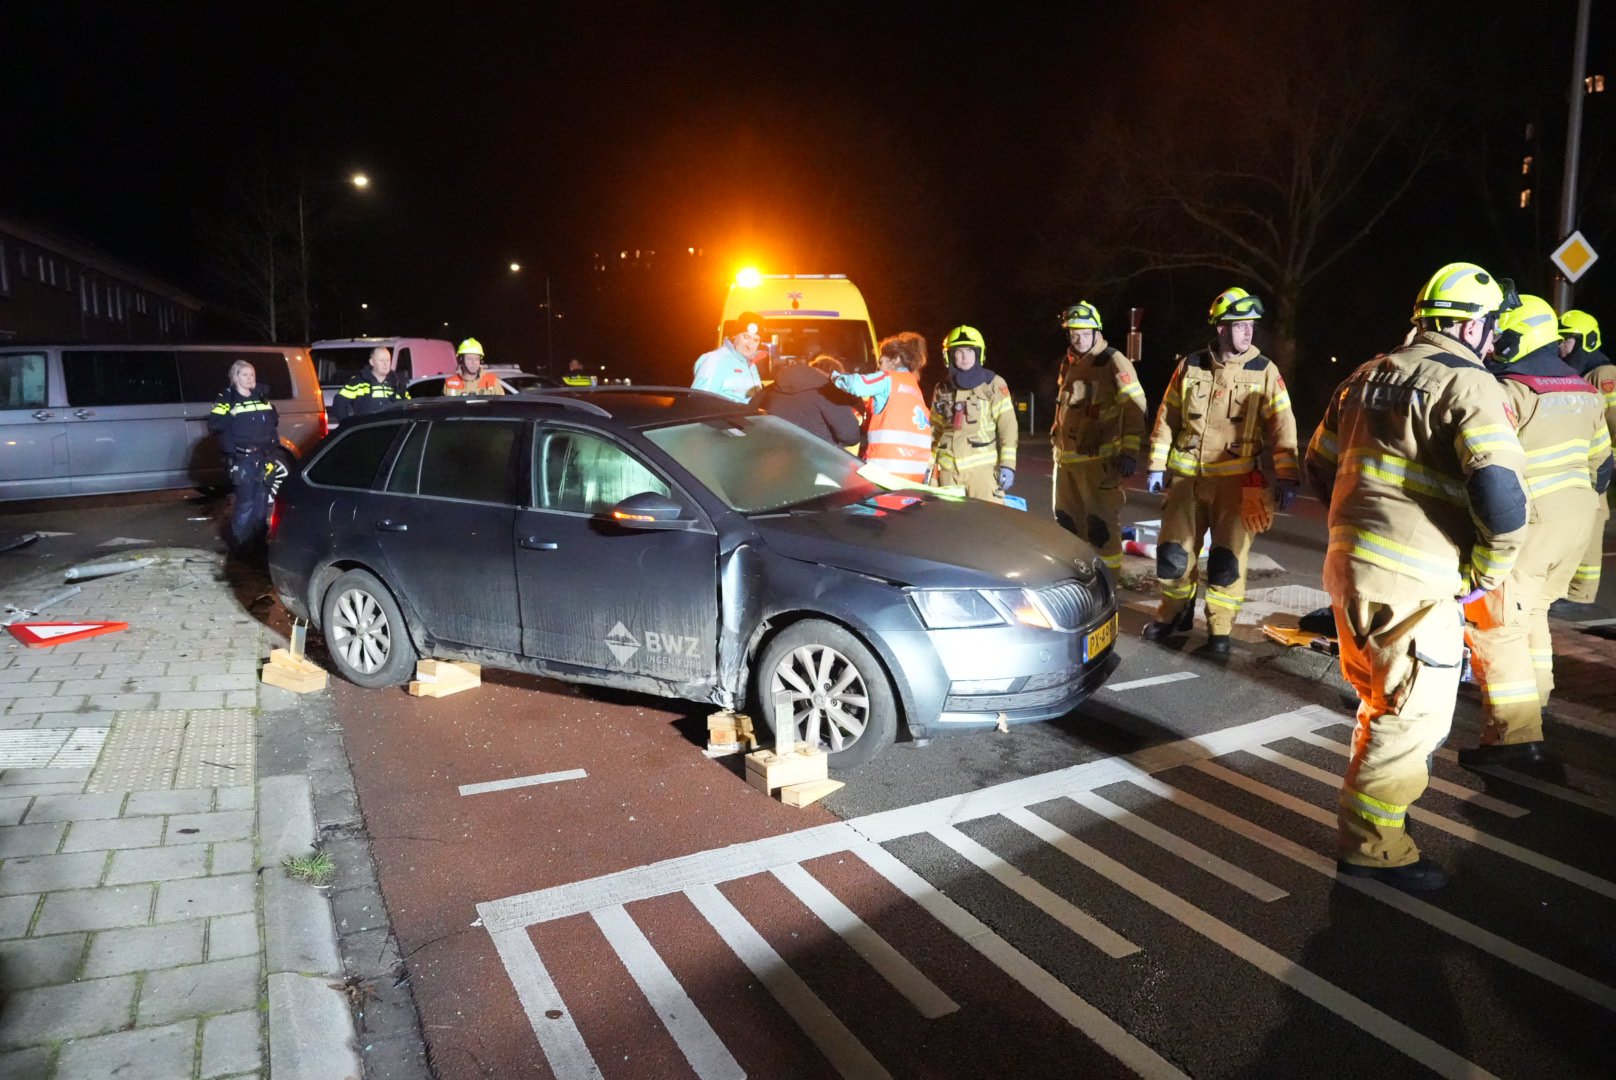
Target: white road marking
(701, 1045)
(1154, 680)
(563, 1046)
(1545, 969)
(1422, 1049)
(1447, 787)
(522, 781)
(1542, 787)
(120, 541)
(1105, 1032)
(1190, 853)
(905, 978)
(839, 1045)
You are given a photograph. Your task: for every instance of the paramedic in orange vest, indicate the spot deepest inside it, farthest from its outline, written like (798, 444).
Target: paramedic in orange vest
(472, 378)
(898, 435)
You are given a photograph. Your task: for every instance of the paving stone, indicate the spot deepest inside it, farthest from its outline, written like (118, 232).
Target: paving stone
(233, 935)
(124, 701)
(231, 1044)
(235, 857)
(144, 948)
(191, 699)
(114, 835)
(227, 681)
(75, 807)
(237, 798)
(183, 801)
(240, 699)
(95, 909)
(199, 667)
(216, 986)
(71, 1011)
(33, 1063)
(358, 909)
(228, 895)
(148, 1053)
(160, 684)
(336, 808)
(18, 721)
(29, 689)
(16, 912)
(56, 704)
(211, 827)
(158, 864)
(84, 686)
(11, 811)
(370, 954)
(58, 775)
(76, 720)
(46, 873)
(41, 839)
(134, 670)
(29, 962)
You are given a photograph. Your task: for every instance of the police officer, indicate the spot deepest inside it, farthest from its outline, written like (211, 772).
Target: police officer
(1579, 347)
(472, 379)
(1560, 422)
(729, 370)
(376, 388)
(576, 375)
(1224, 406)
(1418, 461)
(973, 421)
(246, 424)
(1099, 421)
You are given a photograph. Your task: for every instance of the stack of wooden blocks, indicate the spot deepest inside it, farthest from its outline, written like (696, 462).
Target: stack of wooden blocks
(296, 673)
(799, 770)
(726, 731)
(440, 678)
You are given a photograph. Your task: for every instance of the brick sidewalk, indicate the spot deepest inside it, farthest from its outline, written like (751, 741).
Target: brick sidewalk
(1584, 678)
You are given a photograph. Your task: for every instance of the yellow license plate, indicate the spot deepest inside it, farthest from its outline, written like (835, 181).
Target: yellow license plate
(1100, 640)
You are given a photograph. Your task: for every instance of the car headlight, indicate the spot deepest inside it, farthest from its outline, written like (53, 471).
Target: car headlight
(955, 609)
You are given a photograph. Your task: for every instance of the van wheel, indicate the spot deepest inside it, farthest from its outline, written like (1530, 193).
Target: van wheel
(365, 632)
(839, 694)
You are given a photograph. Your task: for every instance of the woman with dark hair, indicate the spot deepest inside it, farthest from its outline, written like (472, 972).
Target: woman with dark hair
(801, 393)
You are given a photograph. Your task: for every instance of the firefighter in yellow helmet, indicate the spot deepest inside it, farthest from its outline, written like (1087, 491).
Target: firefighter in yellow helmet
(973, 421)
(1560, 422)
(1418, 462)
(472, 379)
(1224, 406)
(1580, 348)
(1099, 421)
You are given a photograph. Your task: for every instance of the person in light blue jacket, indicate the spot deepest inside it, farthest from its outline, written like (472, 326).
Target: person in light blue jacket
(728, 370)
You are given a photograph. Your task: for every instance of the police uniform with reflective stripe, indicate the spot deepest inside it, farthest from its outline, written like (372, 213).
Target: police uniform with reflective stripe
(1567, 445)
(1601, 375)
(366, 394)
(1212, 427)
(247, 428)
(973, 434)
(1099, 415)
(1419, 464)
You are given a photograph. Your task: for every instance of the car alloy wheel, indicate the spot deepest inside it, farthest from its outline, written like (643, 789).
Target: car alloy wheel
(360, 631)
(829, 701)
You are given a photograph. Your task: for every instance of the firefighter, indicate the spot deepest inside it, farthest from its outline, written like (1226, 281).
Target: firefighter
(247, 426)
(1224, 406)
(898, 436)
(730, 370)
(376, 388)
(1099, 420)
(1579, 347)
(1418, 462)
(1560, 422)
(973, 421)
(472, 379)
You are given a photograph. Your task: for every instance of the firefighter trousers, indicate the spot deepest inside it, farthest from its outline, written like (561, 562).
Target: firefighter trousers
(1403, 660)
(981, 482)
(1511, 651)
(1585, 579)
(1088, 501)
(1194, 504)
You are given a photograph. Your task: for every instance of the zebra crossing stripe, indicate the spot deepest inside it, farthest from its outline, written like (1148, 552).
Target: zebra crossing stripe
(1542, 787)
(1447, 787)
(546, 1013)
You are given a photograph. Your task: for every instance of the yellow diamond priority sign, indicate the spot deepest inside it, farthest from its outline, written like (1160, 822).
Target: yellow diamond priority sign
(1574, 257)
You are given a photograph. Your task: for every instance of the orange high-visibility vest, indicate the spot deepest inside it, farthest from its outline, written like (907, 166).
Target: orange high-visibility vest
(899, 438)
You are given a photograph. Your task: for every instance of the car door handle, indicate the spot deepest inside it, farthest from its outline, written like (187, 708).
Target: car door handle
(83, 414)
(533, 543)
(44, 415)
(389, 525)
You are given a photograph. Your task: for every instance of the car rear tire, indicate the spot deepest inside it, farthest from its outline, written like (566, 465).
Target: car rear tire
(365, 632)
(842, 698)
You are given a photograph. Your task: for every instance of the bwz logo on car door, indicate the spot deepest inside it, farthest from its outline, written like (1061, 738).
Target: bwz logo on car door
(624, 644)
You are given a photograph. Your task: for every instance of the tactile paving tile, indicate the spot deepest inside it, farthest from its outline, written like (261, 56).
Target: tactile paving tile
(81, 750)
(142, 751)
(217, 750)
(51, 748)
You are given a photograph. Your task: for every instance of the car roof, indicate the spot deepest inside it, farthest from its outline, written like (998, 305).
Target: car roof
(633, 407)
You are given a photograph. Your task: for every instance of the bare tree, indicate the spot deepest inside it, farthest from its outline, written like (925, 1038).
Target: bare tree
(251, 255)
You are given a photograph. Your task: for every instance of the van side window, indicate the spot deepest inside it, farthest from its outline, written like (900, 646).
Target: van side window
(401, 361)
(472, 459)
(22, 379)
(204, 372)
(352, 461)
(113, 377)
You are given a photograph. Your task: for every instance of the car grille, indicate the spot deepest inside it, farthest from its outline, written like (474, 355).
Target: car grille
(1072, 605)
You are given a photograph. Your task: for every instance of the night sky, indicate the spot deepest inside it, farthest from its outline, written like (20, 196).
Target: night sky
(922, 149)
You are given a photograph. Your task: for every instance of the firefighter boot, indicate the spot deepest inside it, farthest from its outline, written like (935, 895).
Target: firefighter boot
(1216, 647)
(1161, 630)
(1421, 876)
(1522, 753)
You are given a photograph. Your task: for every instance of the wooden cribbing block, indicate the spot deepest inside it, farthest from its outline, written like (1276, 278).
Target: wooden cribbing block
(809, 793)
(440, 678)
(767, 770)
(298, 674)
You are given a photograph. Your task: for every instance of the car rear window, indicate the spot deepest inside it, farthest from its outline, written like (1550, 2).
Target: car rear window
(352, 460)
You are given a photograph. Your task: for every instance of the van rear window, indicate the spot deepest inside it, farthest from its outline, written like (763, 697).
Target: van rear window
(205, 372)
(337, 364)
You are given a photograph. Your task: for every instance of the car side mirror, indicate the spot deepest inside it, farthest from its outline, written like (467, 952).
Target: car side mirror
(648, 510)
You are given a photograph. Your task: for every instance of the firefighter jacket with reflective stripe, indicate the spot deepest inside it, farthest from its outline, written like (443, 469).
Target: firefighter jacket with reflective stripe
(366, 394)
(458, 385)
(1217, 418)
(899, 434)
(243, 423)
(1602, 378)
(1560, 422)
(1099, 408)
(974, 428)
(1418, 461)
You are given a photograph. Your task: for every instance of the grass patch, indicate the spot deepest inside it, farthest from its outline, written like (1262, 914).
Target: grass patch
(315, 869)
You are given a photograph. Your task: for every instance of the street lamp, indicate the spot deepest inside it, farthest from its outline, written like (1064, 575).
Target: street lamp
(358, 180)
(549, 334)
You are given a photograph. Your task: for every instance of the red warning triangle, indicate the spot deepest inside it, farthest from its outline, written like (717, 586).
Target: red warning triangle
(38, 635)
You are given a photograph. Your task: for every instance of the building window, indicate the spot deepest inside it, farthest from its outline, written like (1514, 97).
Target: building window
(1526, 198)
(140, 303)
(22, 263)
(5, 278)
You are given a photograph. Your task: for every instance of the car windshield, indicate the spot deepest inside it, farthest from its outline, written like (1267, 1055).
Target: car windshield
(758, 464)
(801, 340)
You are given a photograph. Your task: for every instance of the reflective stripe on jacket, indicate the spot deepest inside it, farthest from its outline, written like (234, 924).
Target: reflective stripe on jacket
(1217, 418)
(243, 423)
(365, 394)
(899, 436)
(986, 432)
(1099, 406)
(487, 383)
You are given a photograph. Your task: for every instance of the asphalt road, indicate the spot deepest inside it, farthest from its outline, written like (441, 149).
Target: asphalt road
(1144, 886)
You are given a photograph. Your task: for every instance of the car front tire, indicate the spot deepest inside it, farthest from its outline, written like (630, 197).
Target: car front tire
(840, 695)
(365, 632)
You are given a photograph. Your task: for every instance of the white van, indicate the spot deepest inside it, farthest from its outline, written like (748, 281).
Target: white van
(805, 315)
(340, 359)
(105, 419)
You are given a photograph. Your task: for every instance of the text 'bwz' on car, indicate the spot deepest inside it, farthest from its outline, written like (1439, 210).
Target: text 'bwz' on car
(671, 542)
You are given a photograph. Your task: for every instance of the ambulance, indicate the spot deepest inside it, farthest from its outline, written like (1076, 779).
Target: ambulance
(806, 315)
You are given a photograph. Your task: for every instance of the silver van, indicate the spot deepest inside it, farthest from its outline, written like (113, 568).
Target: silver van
(103, 419)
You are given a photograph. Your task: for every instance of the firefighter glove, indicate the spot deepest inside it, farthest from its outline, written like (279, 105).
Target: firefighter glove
(1256, 510)
(1156, 481)
(1007, 477)
(1284, 494)
(1127, 464)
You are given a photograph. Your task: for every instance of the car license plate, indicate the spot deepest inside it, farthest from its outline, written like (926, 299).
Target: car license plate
(1100, 640)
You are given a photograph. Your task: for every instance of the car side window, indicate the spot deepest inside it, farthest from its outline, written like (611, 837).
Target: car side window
(406, 478)
(352, 460)
(471, 459)
(22, 379)
(115, 377)
(585, 474)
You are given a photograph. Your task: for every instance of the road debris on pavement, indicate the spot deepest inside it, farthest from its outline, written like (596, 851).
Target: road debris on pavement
(106, 568)
(17, 614)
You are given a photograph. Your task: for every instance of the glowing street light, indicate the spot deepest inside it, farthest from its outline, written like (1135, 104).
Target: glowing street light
(516, 268)
(364, 307)
(360, 180)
